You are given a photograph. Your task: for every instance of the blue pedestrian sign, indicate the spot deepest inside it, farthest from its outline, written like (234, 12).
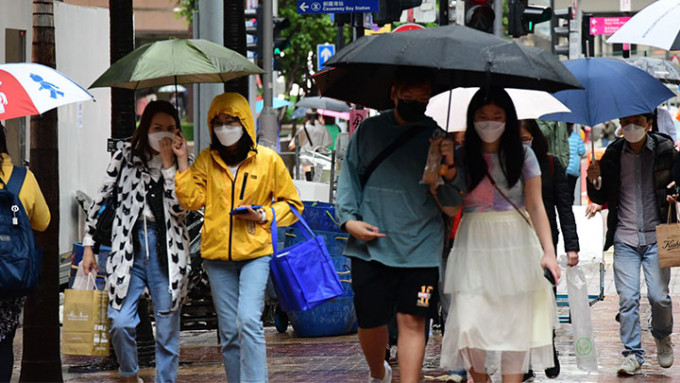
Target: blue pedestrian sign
(306, 7)
(323, 53)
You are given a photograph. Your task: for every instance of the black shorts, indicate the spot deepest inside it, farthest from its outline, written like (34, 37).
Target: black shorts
(379, 289)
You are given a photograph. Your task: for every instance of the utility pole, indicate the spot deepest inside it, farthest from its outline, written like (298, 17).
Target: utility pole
(41, 359)
(123, 124)
(235, 39)
(122, 38)
(498, 20)
(268, 122)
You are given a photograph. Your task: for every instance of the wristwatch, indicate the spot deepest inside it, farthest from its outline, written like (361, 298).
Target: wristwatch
(263, 214)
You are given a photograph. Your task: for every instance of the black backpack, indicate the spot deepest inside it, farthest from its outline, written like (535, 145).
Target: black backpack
(20, 259)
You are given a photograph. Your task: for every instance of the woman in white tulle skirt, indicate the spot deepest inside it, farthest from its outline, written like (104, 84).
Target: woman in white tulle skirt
(502, 308)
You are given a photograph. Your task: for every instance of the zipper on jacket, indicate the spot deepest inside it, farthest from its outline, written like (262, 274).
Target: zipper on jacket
(243, 187)
(231, 216)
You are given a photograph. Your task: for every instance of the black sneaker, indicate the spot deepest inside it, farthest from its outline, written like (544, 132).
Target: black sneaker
(529, 376)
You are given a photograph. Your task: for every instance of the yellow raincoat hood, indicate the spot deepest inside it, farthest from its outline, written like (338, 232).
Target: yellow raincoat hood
(234, 105)
(261, 179)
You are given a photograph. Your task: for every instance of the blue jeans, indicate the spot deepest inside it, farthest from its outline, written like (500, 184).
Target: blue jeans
(627, 262)
(238, 289)
(146, 272)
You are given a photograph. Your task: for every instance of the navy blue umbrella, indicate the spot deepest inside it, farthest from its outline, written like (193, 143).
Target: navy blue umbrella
(613, 89)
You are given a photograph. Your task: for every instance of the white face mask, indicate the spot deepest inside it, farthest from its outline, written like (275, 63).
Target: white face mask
(156, 138)
(489, 131)
(228, 135)
(528, 142)
(634, 133)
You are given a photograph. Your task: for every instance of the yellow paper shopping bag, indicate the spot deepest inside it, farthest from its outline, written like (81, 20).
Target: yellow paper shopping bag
(85, 328)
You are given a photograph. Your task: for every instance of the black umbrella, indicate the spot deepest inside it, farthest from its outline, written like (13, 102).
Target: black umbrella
(318, 102)
(662, 70)
(363, 71)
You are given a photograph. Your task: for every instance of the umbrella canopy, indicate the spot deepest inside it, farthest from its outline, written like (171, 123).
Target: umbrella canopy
(177, 61)
(656, 25)
(662, 70)
(276, 104)
(27, 89)
(332, 113)
(298, 113)
(172, 88)
(363, 72)
(529, 104)
(613, 89)
(318, 102)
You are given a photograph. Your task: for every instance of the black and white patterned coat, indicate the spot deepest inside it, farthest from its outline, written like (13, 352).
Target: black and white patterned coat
(132, 187)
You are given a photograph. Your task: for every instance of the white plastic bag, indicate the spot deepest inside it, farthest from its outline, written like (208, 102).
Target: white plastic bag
(584, 340)
(84, 281)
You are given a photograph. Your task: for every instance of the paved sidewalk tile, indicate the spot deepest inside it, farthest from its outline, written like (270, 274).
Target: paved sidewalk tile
(339, 358)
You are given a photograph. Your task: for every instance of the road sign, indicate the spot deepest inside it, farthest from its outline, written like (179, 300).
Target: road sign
(675, 59)
(307, 7)
(624, 6)
(408, 27)
(425, 13)
(323, 53)
(606, 25)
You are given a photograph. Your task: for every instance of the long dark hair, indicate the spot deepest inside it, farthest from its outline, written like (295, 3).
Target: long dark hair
(3, 145)
(140, 139)
(510, 151)
(539, 143)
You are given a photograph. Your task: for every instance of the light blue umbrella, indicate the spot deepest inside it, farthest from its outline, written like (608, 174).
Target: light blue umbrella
(276, 104)
(613, 89)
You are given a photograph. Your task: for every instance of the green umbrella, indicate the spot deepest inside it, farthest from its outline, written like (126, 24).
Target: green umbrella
(177, 61)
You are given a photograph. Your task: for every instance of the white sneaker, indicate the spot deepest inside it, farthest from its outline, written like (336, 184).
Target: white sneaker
(386, 379)
(630, 366)
(664, 351)
(393, 355)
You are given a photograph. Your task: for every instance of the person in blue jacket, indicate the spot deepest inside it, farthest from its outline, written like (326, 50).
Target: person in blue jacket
(577, 149)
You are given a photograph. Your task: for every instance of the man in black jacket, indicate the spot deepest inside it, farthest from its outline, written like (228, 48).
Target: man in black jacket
(632, 178)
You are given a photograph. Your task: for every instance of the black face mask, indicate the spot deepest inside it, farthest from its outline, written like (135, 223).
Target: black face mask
(411, 111)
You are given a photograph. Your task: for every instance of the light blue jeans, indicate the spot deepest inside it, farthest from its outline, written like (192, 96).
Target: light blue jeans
(238, 289)
(146, 272)
(627, 262)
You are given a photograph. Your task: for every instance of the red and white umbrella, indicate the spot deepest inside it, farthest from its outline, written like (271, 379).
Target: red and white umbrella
(28, 88)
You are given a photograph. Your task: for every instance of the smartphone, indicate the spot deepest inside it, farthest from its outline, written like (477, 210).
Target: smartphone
(244, 210)
(549, 276)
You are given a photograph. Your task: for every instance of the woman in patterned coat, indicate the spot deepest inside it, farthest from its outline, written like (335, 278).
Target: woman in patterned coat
(149, 241)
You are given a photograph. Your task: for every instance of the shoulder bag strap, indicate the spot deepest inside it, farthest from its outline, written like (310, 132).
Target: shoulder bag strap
(301, 224)
(16, 180)
(502, 193)
(396, 144)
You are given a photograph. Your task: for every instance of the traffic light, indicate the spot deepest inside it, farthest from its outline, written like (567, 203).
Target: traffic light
(254, 32)
(389, 11)
(522, 18)
(280, 43)
(479, 14)
(560, 29)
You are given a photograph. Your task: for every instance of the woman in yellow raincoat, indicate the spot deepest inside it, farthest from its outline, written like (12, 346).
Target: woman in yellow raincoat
(235, 172)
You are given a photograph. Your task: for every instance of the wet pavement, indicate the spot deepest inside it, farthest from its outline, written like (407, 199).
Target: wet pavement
(339, 358)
